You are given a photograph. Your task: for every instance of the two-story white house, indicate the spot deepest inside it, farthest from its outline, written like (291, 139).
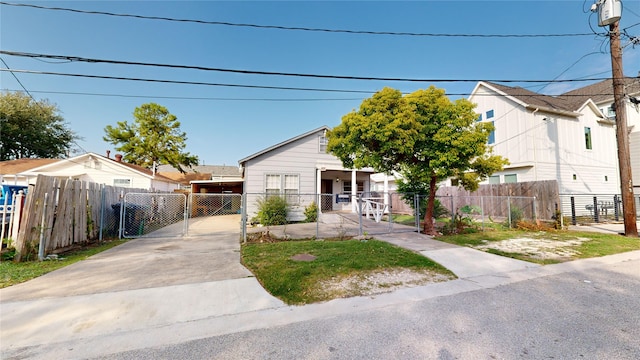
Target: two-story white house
(570, 138)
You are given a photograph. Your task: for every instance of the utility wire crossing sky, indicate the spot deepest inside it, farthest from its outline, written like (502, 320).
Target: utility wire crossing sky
(242, 76)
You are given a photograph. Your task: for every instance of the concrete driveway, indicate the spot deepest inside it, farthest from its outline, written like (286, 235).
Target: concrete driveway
(148, 262)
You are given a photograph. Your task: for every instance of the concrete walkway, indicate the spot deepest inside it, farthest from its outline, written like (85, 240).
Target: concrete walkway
(159, 291)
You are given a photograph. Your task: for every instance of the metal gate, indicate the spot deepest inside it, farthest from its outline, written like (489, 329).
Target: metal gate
(214, 204)
(158, 214)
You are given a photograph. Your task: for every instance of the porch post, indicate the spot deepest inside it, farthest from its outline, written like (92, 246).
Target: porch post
(354, 192)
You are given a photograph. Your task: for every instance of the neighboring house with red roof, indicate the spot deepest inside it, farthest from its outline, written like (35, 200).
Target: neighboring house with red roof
(12, 171)
(570, 138)
(88, 167)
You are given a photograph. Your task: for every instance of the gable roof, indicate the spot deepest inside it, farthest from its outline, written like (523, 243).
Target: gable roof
(126, 166)
(600, 92)
(567, 103)
(11, 167)
(289, 141)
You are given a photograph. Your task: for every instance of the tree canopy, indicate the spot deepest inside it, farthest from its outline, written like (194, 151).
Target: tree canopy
(422, 133)
(153, 137)
(32, 129)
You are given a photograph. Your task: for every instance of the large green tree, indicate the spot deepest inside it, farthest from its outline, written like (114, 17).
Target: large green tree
(421, 133)
(154, 137)
(32, 129)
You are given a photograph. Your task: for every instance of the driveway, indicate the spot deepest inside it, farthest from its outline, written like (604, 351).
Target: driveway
(147, 262)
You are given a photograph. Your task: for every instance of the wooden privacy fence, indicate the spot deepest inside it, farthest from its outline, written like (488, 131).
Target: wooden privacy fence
(58, 214)
(545, 192)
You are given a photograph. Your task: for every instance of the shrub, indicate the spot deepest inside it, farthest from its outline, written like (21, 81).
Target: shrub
(311, 212)
(516, 216)
(272, 211)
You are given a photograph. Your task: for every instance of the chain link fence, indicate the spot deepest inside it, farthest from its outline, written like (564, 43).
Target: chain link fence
(144, 213)
(486, 210)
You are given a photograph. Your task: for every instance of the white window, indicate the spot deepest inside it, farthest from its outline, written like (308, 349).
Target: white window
(283, 184)
(122, 182)
(291, 188)
(494, 179)
(322, 144)
(272, 184)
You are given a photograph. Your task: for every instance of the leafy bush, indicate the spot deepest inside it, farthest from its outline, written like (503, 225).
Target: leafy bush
(311, 212)
(462, 222)
(272, 211)
(516, 216)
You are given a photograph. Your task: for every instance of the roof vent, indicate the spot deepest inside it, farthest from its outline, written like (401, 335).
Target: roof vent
(119, 157)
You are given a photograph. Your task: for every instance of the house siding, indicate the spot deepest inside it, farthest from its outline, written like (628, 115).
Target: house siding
(548, 146)
(634, 150)
(299, 157)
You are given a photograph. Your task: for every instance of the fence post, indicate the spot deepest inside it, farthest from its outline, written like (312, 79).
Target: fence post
(42, 222)
(509, 210)
(121, 225)
(596, 211)
(360, 214)
(389, 209)
(185, 227)
(416, 206)
(102, 201)
(535, 212)
(615, 207)
(318, 213)
(243, 217)
(453, 212)
(482, 210)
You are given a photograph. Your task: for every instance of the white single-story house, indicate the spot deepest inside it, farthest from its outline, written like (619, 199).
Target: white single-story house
(300, 168)
(91, 167)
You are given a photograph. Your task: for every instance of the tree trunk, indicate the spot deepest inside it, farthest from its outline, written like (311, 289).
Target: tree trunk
(428, 216)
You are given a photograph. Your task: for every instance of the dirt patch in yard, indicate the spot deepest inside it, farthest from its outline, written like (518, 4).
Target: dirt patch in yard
(537, 248)
(378, 282)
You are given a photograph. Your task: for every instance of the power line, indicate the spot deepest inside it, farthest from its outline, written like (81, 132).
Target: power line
(294, 28)
(186, 82)
(18, 80)
(187, 97)
(31, 96)
(279, 99)
(271, 73)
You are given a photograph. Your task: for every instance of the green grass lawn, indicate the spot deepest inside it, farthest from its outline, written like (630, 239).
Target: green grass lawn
(14, 273)
(298, 282)
(592, 244)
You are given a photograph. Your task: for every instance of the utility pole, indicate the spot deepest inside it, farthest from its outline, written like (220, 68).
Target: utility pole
(622, 134)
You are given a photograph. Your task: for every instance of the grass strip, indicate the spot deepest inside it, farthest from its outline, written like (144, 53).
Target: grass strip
(298, 282)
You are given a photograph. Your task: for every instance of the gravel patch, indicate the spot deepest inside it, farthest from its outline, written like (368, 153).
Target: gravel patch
(537, 248)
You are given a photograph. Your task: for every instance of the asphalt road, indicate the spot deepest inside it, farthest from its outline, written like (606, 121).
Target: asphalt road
(587, 313)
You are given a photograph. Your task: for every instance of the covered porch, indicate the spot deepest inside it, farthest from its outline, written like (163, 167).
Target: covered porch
(340, 187)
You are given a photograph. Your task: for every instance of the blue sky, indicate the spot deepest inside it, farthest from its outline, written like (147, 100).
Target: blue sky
(225, 124)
